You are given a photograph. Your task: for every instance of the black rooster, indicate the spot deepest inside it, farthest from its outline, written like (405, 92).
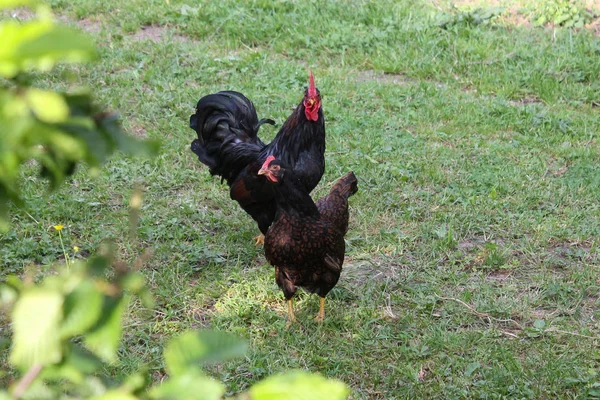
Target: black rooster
(227, 127)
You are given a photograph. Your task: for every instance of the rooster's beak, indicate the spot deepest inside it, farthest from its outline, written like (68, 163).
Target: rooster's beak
(263, 171)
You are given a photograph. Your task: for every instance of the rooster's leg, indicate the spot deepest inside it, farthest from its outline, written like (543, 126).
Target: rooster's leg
(291, 316)
(321, 315)
(260, 240)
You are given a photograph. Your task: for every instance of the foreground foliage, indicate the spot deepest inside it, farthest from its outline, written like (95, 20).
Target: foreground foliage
(56, 129)
(68, 325)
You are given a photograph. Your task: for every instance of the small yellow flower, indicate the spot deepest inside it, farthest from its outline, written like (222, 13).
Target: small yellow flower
(76, 249)
(58, 227)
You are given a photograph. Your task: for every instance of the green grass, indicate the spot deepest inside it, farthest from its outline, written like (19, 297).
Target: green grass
(477, 216)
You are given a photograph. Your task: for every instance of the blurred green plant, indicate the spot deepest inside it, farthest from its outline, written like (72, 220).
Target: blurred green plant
(65, 326)
(567, 13)
(477, 16)
(57, 130)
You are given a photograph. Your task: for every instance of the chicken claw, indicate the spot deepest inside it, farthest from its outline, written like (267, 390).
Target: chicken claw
(259, 240)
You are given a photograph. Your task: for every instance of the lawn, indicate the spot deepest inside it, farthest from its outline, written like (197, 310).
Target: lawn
(472, 256)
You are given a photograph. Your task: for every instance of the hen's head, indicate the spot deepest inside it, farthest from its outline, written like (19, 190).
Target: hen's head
(272, 169)
(312, 100)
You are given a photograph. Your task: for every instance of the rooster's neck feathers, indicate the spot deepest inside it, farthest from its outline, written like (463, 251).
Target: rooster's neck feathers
(298, 134)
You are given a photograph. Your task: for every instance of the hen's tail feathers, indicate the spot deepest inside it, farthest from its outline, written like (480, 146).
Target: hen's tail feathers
(227, 128)
(346, 186)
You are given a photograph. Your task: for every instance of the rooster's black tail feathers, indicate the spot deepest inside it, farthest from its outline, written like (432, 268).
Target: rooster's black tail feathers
(227, 128)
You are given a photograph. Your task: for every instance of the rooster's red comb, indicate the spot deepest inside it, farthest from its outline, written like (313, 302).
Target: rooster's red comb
(312, 89)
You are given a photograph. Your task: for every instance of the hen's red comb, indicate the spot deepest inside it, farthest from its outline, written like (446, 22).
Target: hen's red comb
(312, 89)
(267, 162)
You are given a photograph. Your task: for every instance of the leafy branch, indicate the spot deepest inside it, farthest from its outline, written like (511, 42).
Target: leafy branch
(58, 130)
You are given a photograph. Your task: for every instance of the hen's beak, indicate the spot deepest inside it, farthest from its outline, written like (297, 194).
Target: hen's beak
(263, 171)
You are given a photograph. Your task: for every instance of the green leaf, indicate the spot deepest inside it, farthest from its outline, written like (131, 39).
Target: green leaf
(48, 106)
(36, 320)
(110, 125)
(82, 309)
(39, 390)
(194, 348)
(103, 339)
(137, 382)
(74, 367)
(115, 395)
(97, 266)
(539, 324)
(298, 385)
(40, 44)
(192, 385)
(59, 44)
(84, 129)
(472, 367)
(17, 34)
(4, 4)
(561, 18)
(135, 283)
(4, 226)
(9, 293)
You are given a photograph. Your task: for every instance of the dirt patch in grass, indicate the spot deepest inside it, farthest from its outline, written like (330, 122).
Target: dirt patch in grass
(360, 272)
(470, 243)
(500, 275)
(576, 251)
(152, 33)
(25, 14)
(20, 13)
(202, 315)
(157, 34)
(475, 242)
(89, 25)
(137, 130)
(557, 168)
(386, 78)
(524, 101)
(542, 313)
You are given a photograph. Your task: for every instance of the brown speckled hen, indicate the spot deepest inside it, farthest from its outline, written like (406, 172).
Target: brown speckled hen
(305, 243)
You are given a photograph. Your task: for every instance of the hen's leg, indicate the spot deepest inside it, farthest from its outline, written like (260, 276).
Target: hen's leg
(259, 240)
(291, 316)
(289, 290)
(321, 315)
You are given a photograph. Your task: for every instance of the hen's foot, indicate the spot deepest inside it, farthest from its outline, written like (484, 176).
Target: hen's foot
(259, 240)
